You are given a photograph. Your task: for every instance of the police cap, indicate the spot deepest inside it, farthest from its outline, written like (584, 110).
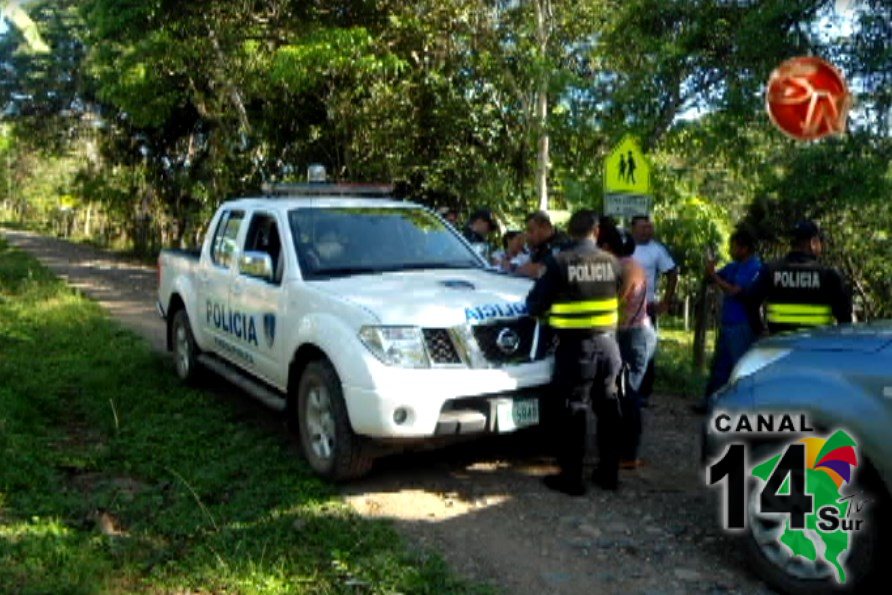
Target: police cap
(485, 215)
(804, 230)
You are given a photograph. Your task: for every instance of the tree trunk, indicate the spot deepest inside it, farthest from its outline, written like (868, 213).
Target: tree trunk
(700, 323)
(235, 96)
(542, 164)
(543, 7)
(88, 221)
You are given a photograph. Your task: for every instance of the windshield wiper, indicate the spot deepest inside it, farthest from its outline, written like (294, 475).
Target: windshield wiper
(417, 266)
(395, 268)
(345, 271)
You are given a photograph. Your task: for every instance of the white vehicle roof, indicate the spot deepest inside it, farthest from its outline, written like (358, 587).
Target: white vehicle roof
(323, 202)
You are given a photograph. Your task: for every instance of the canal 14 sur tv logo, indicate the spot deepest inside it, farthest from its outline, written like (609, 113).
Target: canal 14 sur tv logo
(800, 488)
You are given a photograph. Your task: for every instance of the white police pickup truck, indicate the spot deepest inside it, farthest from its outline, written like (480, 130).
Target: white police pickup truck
(364, 319)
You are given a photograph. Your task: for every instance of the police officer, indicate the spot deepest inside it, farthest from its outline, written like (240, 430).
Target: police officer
(578, 293)
(480, 225)
(544, 240)
(799, 292)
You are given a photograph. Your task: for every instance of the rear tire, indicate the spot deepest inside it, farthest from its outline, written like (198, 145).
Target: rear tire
(328, 442)
(185, 350)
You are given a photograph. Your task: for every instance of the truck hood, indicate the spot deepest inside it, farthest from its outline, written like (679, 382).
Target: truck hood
(433, 298)
(863, 338)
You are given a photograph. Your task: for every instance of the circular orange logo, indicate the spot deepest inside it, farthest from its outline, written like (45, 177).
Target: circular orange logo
(807, 98)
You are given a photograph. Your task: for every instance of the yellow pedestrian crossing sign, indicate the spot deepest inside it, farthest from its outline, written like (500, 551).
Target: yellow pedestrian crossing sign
(626, 170)
(627, 180)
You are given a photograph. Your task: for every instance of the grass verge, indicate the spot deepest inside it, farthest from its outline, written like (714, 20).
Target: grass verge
(117, 479)
(676, 373)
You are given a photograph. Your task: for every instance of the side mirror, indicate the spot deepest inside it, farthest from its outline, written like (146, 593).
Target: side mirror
(256, 264)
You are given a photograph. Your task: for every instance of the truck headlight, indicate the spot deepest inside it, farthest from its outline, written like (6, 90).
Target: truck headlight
(756, 359)
(401, 346)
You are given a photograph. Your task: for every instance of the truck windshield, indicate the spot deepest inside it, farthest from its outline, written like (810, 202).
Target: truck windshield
(343, 241)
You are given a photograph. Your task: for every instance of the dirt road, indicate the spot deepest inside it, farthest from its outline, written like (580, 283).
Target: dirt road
(482, 506)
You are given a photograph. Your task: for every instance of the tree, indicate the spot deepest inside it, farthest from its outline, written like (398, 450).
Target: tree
(171, 107)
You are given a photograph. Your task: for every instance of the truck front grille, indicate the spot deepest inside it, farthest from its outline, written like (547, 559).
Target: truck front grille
(440, 347)
(500, 351)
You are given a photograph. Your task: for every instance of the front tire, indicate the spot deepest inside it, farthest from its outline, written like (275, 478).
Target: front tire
(185, 350)
(329, 444)
(775, 564)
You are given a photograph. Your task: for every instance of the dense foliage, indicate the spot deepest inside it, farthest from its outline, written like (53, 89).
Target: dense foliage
(146, 114)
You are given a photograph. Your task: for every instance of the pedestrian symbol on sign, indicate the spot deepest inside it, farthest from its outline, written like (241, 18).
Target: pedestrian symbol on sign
(626, 170)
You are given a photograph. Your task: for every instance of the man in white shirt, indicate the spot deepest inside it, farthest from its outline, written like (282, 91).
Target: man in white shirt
(656, 261)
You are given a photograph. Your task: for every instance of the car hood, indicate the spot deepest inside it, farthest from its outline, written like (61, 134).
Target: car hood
(433, 298)
(865, 338)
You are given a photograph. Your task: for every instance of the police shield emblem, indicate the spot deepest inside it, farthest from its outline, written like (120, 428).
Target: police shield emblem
(269, 329)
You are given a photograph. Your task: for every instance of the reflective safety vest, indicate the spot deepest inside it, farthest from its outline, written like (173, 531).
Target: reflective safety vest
(584, 314)
(799, 314)
(800, 293)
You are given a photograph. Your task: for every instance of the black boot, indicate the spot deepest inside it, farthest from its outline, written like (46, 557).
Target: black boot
(565, 484)
(605, 479)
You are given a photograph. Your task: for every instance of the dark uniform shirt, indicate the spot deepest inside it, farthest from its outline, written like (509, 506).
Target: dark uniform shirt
(550, 247)
(578, 290)
(799, 292)
(478, 242)
(472, 236)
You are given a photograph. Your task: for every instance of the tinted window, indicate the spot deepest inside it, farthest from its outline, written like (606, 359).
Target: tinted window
(263, 236)
(345, 241)
(224, 246)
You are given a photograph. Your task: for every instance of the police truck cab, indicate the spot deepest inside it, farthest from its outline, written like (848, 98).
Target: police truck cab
(363, 318)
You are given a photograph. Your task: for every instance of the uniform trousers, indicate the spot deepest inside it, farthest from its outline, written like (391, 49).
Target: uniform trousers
(587, 366)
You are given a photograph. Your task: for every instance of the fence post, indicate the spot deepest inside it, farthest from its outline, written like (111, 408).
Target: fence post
(700, 316)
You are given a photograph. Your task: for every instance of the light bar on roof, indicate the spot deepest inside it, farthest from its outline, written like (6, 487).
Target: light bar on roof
(316, 174)
(317, 189)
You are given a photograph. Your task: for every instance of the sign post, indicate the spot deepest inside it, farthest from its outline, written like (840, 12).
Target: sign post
(627, 180)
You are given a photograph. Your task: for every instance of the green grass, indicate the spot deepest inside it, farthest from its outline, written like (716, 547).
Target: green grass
(117, 479)
(675, 370)
(30, 225)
